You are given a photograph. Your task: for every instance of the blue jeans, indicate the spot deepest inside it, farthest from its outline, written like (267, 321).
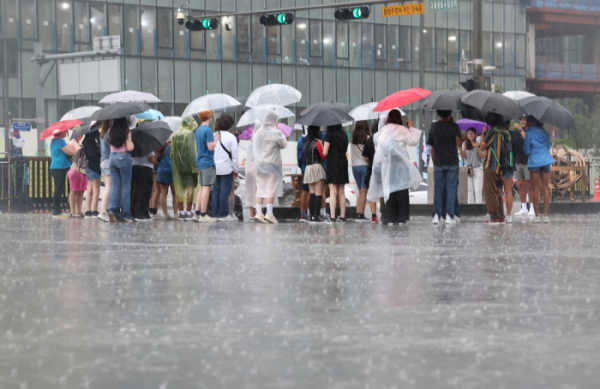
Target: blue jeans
(360, 175)
(120, 170)
(446, 182)
(220, 195)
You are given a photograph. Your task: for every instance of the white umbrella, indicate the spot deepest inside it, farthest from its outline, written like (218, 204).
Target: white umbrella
(217, 102)
(365, 112)
(80, 113)
(173, 121)
(130, 96)
(517, 95)
(258, 113)
(279, 94)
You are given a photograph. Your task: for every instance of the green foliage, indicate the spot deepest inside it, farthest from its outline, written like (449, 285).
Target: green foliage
(499, 88)
(587, 133)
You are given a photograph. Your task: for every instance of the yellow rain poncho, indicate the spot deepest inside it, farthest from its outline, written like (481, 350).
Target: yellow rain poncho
(183, 158)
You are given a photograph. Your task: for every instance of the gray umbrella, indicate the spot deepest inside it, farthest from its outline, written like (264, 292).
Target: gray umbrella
(149, 137)
(444, 100)
(345, 108)
(548, 111)
(492, 102)
(85, 129)
(119, 110)
(321, 116)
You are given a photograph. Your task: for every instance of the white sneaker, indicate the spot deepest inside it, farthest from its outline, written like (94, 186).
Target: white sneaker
(196, 218)
(449, 220)
(158, 216)
(260, 218)
(206, 219)
(227, 219)
(536, 219)
(435, 220)
(545, 219)
(103, 217)
(271, 219)
(457, 219)
(522, 212)
(508, 219)
(531, 212)
(167, 217)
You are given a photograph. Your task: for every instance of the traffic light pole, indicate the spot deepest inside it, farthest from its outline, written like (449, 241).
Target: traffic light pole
(421, 85)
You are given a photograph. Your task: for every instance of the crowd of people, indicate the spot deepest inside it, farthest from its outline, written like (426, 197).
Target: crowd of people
(199, 163)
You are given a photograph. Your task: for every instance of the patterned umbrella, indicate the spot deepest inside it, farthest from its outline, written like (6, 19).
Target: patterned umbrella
(247, 133)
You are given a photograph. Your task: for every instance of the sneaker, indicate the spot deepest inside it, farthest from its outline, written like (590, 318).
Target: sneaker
(522, 212)
(340, 219)
(315, 220)
(167, 217)
(112, 218)
(228, 219)
(195, 218)
(536, 219)
(302, 220)
(362, 220)
(128, 220)
(328, 219)
(260, 218)
(271, 219)
(435, 220)
(143, 220)
(103, 217)
(182, 217)
(62, 216)
(490, 222)
(509, 219)
(545, 219)
(531, 212)
(251, 219)
(374, 219)
(450, 220)
(457, 219)
(206, 219)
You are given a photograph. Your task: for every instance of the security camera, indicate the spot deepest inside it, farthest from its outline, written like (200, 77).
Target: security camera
(180, 18)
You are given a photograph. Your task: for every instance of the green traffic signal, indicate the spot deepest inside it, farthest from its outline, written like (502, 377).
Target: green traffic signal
(357, 13)
(352, 13)
(206, 24)
(277, 19)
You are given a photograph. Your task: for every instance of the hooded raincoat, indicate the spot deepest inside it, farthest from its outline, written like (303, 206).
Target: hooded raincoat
(267, 143)
(392, 169)
(250, 170)
(183, 159)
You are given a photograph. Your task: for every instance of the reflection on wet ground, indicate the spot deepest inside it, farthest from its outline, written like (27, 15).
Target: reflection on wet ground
(182, 305)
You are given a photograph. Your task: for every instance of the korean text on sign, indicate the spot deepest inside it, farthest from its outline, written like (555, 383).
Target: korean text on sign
(444, 4)
(399, 10)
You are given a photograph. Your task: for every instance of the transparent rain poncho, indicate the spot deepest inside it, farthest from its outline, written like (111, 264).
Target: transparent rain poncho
(251, 172)
(392, 169)
(183, 158)
(267, 143)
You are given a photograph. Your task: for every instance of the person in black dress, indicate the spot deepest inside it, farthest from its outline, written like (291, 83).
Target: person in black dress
(336, 146)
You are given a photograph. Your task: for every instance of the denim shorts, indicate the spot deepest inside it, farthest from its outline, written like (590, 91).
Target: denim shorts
(91, 175)
(105, 170)
(509, 174)
(360, 175)
(540, 169)
(304, 186)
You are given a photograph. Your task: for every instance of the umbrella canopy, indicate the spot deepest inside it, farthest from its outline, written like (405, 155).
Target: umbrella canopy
(548, 111)
(119, 110)
(401, 98)
(58, 127)
(365, 112)
(217, 102)
(149, 137)
(320, 116)
(279, 94)
(331, 105)
(130, 96)
(487, 101)
(258, 113)
(465, 124)
(517, 95)
(247, 133)
(238, 108)
(80, 113)
(443, 100)
(150, 114)
(173, 121)
(86, 129)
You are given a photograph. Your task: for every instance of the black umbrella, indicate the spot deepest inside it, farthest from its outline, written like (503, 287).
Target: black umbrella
(488, 101)
(444, 100)
(149, 137)
(548, 111)
(321, 116)
(86, 129)
(472, 113)
(119, 110)
(345, 108)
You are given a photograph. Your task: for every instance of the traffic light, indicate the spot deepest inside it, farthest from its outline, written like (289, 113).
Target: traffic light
(468, 84)
(352, 13)
(204, 24)
(277, 19)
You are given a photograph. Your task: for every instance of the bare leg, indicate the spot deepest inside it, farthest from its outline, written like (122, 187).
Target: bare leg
(164, 190)
(156, 193)
(304, 199)
(332, 199)
(522, 191)
(508, 185)
(79, 201)
(106, 194)
(175, 203)
(545, 192)
(89, 197)
(361, 203)
(202, 199)
(73, 202)
(534, 197)
(373, 206)
(319, 188)
(252, 212)
(342, 199)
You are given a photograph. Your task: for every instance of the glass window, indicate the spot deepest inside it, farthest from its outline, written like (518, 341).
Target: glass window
(165, 80)
(354, 44)
(453, 52)
(441, 57)
(416, 49)
(367, 46)
(302, 42)
(287, 45)
(28, 21)
(212, 41)
(487, 53)
(114, 19)
(228, 31)
(63, 25)
(329, 43)
(428, 49)
(273, 44)
(509, 18)
(453, 18)
(465, 44)
(258, 40)
(131, 24)
(520, 20)
(180, 41)
(487, 16)
(405, 48)
(11, 18)
(498, 50)
(509, 54)
(165, 32)
(520, 53)
(465, 14)
(98, 19)
(316, 50)
(149, 73)
(380, 47)
(81, 25)
(243, 38)
(45, 23)
(148, 31)
(498, 19)
(393, 48)
(341, 44)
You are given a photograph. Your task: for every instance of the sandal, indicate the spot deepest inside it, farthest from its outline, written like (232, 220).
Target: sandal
(76, 216)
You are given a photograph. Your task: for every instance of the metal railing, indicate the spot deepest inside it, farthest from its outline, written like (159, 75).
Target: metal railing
(567, 71)
(575, 5)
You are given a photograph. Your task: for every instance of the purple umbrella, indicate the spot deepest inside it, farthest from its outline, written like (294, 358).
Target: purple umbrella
(247, 133)
(465, 124)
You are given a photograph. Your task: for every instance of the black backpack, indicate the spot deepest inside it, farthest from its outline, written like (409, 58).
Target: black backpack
(506, 156)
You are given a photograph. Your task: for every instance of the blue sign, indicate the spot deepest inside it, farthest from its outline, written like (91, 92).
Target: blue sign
(21, 126)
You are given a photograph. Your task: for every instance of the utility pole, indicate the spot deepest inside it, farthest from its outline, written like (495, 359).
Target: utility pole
(421, 84)
(40, 109)
(476, 41)
(5, 76)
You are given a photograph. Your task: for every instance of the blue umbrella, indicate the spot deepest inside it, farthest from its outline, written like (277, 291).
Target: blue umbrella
(150, 114)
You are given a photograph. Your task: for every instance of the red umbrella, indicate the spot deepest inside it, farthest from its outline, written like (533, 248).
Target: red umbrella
(401, 98)
(59, 127)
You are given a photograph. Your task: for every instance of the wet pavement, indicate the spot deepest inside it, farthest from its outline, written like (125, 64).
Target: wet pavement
(85, 304)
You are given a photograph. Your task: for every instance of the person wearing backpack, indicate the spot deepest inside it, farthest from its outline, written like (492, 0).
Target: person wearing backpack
(226, 164)
(509, 171)
(59, 169)
(77, 179)
(91, 148)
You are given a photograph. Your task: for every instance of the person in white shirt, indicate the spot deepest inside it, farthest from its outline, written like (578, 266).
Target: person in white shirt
(226, 163)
